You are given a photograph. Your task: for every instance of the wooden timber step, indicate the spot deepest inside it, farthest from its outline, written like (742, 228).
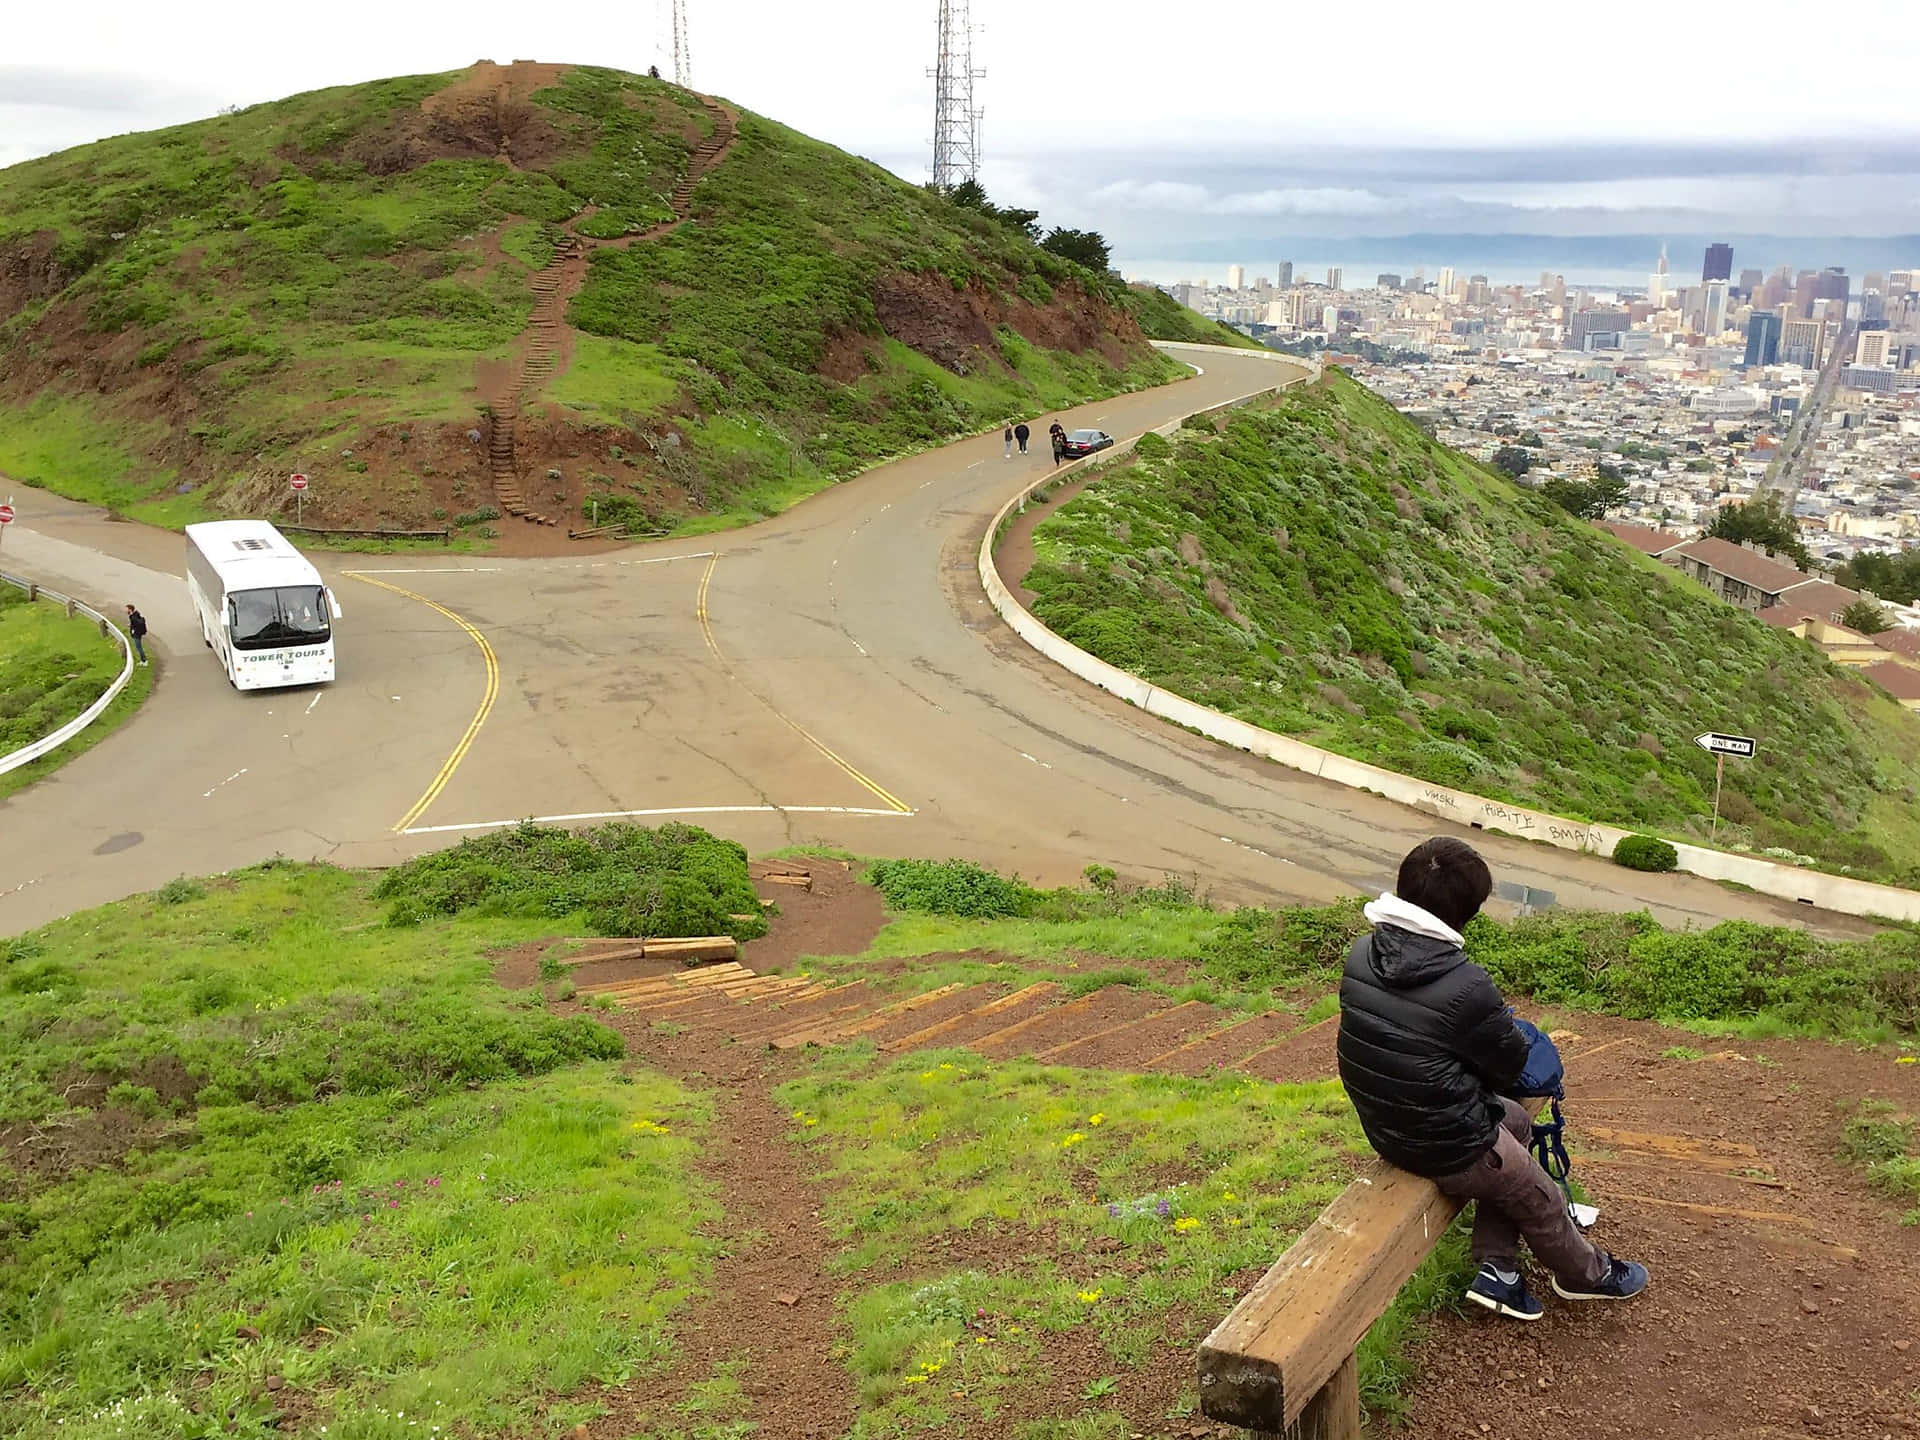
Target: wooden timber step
(1050, 1024)
(829, 1032)
(831, 1012)
(1219, 1048)
(804, 1008)
(961, 1002)
(748, 987)
(1306, 1054)
(706, 975)
(1126, 1043)
(690, 950)
(1063, 1024)
(982, 1016)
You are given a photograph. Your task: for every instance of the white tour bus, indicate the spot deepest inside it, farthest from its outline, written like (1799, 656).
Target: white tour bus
(263, 608)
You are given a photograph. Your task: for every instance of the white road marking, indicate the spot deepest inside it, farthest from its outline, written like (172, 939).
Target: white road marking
(228, 781)
(669, 810)
(315, 701)
(858, 646)
(1041, 763)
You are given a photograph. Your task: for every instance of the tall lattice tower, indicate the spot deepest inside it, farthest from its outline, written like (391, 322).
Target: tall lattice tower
(682, 50)
(956, 122)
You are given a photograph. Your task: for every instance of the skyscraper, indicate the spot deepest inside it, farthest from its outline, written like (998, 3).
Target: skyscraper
(1876, 347)
(1763, 339)
(1286, 273)
(1658, 286)
(1832, 284)
(1719, 263)
(1803, 343)
(1443, 284)
(1750, 281)
(1333, 277)
(1236, 277)
(1715, 305)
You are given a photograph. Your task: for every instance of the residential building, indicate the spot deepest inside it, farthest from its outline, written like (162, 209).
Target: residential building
(1876, 347)
(1236, 277)
(1718, 264)
(1742, 577)
(1284, 280)
(1715, 307)
(1333, 277)
(1899, 681)
(1598, 329)
(1645, 539)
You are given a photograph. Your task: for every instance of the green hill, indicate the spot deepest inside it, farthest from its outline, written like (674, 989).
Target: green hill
(1323, 569)
(345, 281)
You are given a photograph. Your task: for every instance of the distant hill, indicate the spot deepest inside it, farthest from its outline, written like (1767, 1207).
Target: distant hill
(561, 285)
(1321, 568)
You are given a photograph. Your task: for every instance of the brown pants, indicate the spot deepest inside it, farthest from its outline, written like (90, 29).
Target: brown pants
(1518, 1199)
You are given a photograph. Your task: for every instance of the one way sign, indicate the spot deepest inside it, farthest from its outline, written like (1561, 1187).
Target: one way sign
(1726, 744)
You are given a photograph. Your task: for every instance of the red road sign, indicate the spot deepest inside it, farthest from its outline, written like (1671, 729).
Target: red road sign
(299, 482)
(6, 514)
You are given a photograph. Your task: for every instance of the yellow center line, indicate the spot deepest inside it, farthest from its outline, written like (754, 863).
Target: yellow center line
(479, 716)
(871, 786)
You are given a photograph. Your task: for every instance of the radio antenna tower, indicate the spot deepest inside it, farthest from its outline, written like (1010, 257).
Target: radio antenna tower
(956, 123)
(682, 52)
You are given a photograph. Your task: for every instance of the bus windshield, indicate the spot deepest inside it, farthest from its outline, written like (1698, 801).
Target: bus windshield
(288, 615)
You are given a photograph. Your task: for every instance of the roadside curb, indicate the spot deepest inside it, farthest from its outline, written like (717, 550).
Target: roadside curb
(27, 754)
(1785, 882)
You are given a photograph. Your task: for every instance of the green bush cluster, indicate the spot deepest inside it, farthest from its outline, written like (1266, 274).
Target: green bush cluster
(1882, 1141)
(1319, 567)
(958, 888)
(621, 879)
(1645, 852)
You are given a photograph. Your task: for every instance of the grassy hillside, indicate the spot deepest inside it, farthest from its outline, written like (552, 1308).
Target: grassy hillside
(1164, 318)
(1322, 569)
(339, 281)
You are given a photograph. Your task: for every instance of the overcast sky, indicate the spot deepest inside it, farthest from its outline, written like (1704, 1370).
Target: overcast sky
(1178, 129)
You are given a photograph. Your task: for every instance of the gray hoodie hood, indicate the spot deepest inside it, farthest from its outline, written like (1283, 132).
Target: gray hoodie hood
(1411, 946)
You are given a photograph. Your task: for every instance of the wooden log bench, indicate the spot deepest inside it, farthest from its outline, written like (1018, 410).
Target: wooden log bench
(1282, 1363)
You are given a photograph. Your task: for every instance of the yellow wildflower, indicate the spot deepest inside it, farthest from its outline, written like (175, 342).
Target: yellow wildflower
(1090, 1297)
(932, 1367)
(1186, 1223)
(1072, 1140)
(1230, 1196)
(913, 1379)
(1097, 1119)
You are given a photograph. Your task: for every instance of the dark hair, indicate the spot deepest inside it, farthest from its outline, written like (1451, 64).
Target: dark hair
(1446, 878)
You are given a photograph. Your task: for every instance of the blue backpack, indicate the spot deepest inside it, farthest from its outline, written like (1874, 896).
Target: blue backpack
(1546, 1075)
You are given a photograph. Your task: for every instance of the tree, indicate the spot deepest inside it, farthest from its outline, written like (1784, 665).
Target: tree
(1083, 247)
(1589, 499)
(1532, 440)
(1609, 471)
(1891, 577)
(972, 195)
(1512, 462)
(1866, 616)
(1762, 521)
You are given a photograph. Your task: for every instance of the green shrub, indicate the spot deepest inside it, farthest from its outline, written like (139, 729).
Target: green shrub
(1270, 949)
(1645, 852)
(622, 879)
(179, 890)
(951, 887)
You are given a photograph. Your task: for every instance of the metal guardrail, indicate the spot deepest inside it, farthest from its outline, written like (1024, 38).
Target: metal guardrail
(27, 754)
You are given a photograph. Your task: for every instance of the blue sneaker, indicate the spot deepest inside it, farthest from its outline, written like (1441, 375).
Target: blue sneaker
(1505, 1293)
(1624, 1280)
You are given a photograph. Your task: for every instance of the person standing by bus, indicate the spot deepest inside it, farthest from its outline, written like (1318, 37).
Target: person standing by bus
(137, 632)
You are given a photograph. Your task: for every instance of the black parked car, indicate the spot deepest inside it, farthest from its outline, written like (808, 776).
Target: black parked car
(1087, 442)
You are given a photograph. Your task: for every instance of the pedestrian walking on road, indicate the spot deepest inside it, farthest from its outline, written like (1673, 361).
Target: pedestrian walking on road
(1020, 433)
(1430, 1054)
(1058, 435)
(1006, 441)
(137, 632)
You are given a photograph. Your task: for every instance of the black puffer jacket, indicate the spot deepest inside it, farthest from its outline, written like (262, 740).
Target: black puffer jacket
(1427, 1046)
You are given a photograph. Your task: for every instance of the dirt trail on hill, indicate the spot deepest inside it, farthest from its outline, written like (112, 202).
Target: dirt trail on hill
(1784, 1288)
(545, 348)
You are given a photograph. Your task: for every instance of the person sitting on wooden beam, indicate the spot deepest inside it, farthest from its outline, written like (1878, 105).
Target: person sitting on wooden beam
(1429, 1051)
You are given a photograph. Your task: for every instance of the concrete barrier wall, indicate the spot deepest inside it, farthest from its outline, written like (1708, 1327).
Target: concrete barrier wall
(1786, 882)
(27, 754)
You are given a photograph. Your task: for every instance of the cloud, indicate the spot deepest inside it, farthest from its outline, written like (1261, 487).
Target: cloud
(48, 87)
(1182, 197)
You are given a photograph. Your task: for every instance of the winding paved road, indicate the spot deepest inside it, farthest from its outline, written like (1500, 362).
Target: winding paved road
(833, 677)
